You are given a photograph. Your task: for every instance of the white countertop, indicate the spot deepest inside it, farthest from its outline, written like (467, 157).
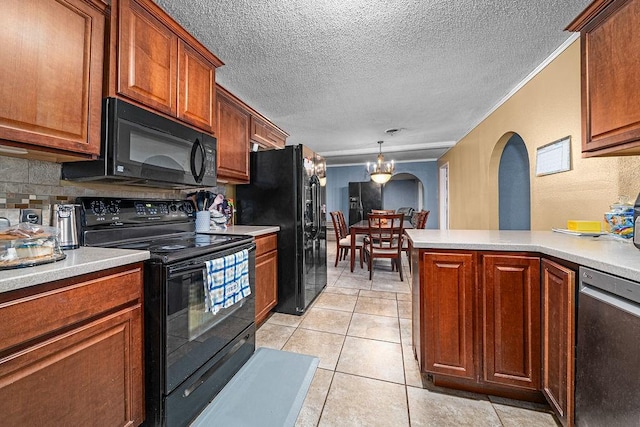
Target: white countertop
(605, 253)
(89, 259)
(78, 261)
(251, 230)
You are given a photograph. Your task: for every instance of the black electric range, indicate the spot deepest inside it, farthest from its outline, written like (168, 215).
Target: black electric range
(190, 352)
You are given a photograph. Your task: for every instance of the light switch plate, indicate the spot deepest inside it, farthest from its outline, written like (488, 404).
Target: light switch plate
(34, 216)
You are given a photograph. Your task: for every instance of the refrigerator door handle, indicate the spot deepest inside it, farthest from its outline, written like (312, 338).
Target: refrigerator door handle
(318, 203)
(315, 205)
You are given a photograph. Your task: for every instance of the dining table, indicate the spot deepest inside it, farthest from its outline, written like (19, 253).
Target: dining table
(362, 227)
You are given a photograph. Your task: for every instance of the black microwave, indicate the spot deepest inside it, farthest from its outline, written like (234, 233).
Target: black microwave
(143, 148)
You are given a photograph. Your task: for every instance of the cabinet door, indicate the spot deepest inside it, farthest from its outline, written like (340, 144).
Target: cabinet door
(266, 284)
(611, 81)
(233, 140)
(266, 275)
(196, 94)
(558, 337)
(71, 351)
(147, 59)
(448, 293)
(85, 376)
(511, 320)
(265, 134)
(51, 64)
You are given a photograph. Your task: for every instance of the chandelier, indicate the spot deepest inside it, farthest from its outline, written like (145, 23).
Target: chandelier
(380, 171)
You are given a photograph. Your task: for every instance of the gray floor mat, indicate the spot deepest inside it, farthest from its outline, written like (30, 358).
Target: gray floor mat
(267, 391)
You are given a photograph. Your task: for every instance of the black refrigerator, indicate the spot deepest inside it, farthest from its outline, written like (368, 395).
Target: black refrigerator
(285, 190)
(363, 196)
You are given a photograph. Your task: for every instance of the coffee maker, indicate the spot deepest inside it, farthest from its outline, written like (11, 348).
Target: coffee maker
(66, 217)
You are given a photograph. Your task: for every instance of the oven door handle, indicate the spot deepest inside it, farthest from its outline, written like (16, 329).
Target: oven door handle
(192, 268)
(187, 269)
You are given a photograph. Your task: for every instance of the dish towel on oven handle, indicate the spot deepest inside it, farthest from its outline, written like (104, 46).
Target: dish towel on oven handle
(227, 281)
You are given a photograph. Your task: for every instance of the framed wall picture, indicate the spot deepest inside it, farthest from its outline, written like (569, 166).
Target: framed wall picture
(554, 157)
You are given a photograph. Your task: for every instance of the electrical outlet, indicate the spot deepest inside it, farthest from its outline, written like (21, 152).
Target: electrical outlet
(34, 216)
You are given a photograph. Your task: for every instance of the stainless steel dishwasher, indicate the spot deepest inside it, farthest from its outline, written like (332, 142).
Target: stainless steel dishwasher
(608, 351)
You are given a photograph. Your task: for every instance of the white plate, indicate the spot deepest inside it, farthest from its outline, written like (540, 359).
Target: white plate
(579, 233)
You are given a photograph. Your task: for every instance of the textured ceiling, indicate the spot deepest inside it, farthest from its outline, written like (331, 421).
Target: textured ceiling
(335, 74)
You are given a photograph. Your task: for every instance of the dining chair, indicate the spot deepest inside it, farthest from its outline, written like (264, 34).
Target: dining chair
(384, 240)
(420, 223)
(359, 238)
(382, 211)
(343, 238)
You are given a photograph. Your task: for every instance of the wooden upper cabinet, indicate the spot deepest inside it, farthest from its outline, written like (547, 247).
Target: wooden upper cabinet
(148, 59)
(161, 66)
(558, 338)
(233, 138)
(511, 311)
(266, 134)
(51, 78)
(610, 43)
(196, 94)
(448, 293)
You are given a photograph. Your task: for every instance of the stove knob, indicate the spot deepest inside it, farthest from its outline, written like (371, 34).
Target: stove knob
(114, 208)
(173, 208)
(98, 207)
(187, 207)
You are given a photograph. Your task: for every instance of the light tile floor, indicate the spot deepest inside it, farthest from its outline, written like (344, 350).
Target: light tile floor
(360, 329)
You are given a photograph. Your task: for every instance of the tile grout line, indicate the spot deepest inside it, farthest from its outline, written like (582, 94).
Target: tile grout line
(333, 375)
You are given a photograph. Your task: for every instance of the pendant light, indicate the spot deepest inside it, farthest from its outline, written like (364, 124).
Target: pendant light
(380, 171)
(321, 170)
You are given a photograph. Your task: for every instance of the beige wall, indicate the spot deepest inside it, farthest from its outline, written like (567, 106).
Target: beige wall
(546, 109)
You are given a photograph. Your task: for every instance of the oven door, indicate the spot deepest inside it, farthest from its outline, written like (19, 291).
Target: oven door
(193, 336)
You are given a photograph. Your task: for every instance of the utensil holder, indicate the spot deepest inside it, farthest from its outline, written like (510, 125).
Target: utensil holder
(202, 221)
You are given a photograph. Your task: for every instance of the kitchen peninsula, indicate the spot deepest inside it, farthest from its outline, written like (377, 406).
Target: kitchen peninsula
(495, 311)
(608, 254)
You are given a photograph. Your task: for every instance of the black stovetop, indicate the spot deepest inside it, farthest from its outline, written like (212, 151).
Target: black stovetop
(165, 228)
(182, 242)
(189, 245)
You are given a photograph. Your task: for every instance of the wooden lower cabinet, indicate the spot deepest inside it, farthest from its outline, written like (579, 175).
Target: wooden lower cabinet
(511, 320)
(71, 351)
(477, 322)
(448, 312)
(266, 275)
(558, 337)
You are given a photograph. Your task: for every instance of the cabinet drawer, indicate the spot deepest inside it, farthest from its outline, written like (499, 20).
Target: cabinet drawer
(266, 244)
(78, 299)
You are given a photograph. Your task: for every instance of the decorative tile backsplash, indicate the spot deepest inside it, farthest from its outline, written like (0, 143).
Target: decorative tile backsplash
(35, 184)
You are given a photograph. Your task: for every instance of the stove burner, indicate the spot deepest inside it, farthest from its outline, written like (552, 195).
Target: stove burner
(169, 248)
(142, 245)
